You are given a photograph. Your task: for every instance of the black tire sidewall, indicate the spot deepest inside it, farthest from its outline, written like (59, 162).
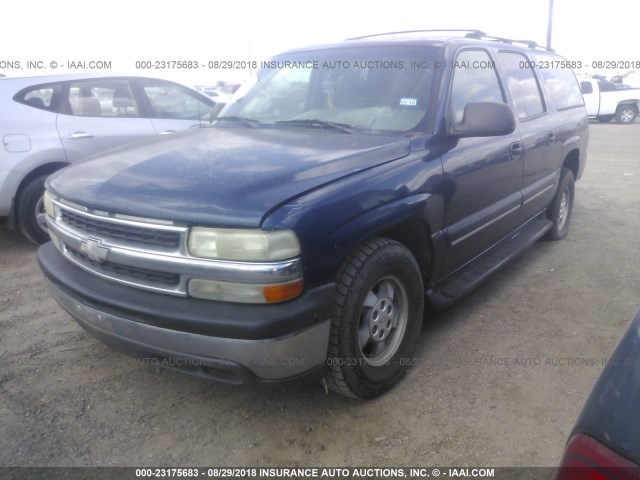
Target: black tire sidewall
(553, 213)
(364, 379)
(28, 198)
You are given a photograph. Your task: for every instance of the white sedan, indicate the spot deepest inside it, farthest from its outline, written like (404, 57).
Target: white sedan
(51, 121)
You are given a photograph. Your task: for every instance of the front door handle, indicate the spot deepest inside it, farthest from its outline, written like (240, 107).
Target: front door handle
(516, 150)
(75, 135)
(551, 138)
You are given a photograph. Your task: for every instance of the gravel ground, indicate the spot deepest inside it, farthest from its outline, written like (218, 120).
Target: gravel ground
(499, 381)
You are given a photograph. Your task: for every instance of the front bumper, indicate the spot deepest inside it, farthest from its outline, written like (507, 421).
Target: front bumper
(231, 343)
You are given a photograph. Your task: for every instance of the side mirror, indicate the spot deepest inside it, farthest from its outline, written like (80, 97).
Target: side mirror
(215, 110)
(485, 119)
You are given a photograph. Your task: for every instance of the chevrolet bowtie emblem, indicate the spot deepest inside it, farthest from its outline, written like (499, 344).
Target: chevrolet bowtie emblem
(92, 248)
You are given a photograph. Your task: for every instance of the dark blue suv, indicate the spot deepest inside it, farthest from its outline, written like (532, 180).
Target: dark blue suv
(340, 192)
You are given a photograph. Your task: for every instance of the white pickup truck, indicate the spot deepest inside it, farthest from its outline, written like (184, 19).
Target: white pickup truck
(605, 104)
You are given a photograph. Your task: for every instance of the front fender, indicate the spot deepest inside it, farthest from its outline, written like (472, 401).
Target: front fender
(333, 220)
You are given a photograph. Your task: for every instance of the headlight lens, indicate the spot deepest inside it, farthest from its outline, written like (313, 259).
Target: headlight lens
(48, 204)
(243, 245)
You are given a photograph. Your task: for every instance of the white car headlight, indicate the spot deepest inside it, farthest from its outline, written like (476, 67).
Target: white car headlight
(48, 204)
(243, 245)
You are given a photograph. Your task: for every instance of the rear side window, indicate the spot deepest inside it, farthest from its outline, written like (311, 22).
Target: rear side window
(586, 88)
(561, 84)
(474, 80)
(43, 97)
(102, 98)
(522, 85)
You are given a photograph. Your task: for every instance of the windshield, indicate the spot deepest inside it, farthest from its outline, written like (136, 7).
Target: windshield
(370, 89)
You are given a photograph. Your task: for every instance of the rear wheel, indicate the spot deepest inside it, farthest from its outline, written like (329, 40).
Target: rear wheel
(378, 313)
(30, 211)
(559, 212)
(626, 114)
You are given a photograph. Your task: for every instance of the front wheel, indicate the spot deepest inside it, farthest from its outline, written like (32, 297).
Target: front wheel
(559, 212)
(626, 114)
(378, 313)
(30, 211)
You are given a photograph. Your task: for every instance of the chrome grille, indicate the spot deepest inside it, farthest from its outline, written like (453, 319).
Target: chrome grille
(123, 272)
(128, 233)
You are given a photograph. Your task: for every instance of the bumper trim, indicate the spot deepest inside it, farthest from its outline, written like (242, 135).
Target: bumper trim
(227, 360)
(191, 315)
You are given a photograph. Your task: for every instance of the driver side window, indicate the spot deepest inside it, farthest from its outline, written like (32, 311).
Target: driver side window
(172, 102)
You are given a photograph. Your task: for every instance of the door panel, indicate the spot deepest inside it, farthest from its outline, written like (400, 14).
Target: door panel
(483, 175)
(538, 139)
(99, 114)
(85, 136)
(536, 130)
(483, 195)
(538, 195)
(165, 126)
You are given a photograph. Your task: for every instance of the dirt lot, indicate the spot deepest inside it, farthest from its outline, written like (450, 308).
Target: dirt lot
(500, 378)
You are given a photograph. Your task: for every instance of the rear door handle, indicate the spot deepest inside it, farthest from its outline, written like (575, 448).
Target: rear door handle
(75, 135)
(167, 132)
(516, 150)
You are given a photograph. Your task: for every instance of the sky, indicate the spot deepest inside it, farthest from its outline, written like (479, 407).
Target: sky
(124, 32)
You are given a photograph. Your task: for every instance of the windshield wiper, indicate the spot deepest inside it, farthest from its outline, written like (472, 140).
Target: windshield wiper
(313, 122)
(249, 122)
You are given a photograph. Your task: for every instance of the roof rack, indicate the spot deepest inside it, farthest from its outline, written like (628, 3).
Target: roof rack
(456, 30)
(510, 41)
(477, 34)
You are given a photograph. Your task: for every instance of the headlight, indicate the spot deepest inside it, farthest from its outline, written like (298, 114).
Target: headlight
(243, 245)
(48, 204)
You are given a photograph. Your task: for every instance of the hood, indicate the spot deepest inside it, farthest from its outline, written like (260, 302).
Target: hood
(227, 177)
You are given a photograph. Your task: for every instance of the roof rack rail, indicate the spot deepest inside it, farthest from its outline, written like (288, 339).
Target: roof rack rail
(510, 41)
(477, 34)
(456, 30)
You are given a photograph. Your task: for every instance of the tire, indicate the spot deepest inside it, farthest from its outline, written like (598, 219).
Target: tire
(377, 318)
(605, 118)
(30, 211)
(559, 212)
(626, 114)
